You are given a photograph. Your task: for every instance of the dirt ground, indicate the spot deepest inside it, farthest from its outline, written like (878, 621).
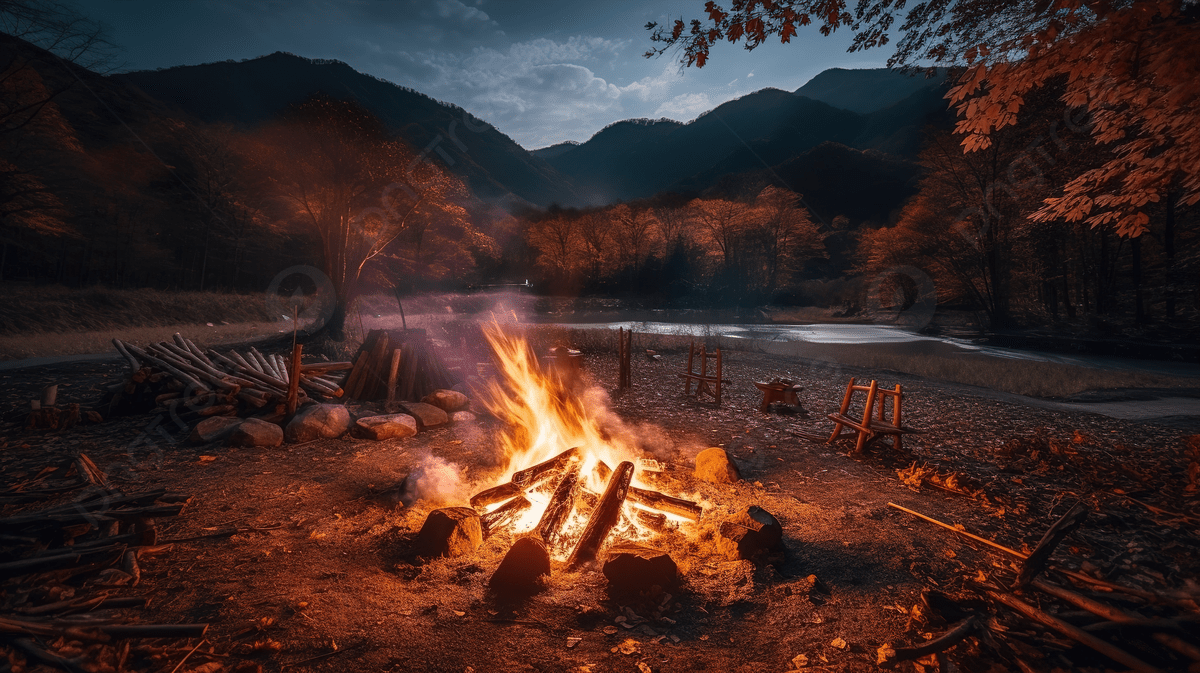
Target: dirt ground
(320, 579)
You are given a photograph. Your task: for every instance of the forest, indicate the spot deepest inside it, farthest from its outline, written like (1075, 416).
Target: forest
(100, 184)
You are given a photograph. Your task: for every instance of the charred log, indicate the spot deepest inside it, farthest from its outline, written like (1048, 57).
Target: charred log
(604, 517)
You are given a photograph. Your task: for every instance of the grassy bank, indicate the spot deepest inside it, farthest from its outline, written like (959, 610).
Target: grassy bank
(54, 321)
(28, 310)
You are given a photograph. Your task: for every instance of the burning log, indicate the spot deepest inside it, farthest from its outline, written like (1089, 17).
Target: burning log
(530, 476)
(504, 515)
(549, 528)
(604, 517)
(665, 503)
(493, 495)
(601, 472)
(655, 521)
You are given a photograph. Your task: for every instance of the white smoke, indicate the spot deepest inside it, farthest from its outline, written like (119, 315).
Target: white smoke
(435, 481)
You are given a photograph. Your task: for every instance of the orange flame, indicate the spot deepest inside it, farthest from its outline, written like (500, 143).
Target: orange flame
(544, 418)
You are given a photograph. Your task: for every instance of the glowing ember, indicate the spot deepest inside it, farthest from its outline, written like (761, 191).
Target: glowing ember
(560, 455)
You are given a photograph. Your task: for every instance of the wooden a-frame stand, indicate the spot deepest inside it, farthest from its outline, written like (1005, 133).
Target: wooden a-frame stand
(702, 378)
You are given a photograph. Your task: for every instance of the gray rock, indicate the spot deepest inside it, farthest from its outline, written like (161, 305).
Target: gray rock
(523, 567)
(213, 428)
(256, 432)
(452, 531)
(427, 415)
(633, 568)
(318, 421)
(447, 400)
(462, 417)
(714, 465)
(391, 426)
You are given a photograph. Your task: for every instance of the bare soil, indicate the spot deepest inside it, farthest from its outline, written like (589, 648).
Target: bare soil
(321, 578)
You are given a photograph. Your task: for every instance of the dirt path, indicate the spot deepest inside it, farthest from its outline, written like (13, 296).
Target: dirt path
(320, 580)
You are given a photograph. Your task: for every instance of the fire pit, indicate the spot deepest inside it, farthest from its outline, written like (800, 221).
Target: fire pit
(574, 484)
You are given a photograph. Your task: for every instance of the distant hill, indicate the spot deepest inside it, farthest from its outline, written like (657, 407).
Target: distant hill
(554, 150)
(253, 91)
(638, 158)
(867, 90)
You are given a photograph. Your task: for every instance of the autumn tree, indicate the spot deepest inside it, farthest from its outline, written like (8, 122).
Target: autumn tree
(555, 238)
(786, 236)
(1133, 66)
(334, 168)
(634, 232)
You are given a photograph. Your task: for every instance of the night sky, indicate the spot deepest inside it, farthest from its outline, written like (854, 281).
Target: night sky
(541, 71)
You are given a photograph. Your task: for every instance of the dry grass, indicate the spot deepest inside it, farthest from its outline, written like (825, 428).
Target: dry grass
(28, 310)
(19, 347)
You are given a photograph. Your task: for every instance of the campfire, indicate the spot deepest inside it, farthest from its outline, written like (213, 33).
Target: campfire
(573, 483)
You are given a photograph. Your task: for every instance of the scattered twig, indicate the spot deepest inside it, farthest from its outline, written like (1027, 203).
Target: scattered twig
(185, 657)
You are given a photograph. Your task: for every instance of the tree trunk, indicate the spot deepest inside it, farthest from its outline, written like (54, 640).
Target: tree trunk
(1139, 304)
(1169, 249)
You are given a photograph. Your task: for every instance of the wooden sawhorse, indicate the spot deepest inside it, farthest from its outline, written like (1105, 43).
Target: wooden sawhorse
(702, 378)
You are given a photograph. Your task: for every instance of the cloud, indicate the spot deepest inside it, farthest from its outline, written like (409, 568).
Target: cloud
(454, 8)
(685, 107)
(654, 88)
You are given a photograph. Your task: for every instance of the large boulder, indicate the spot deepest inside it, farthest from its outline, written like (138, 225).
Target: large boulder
(751, 533)
(633, 568)
(256, 432)
(426, 414)
(213, 428)
(447, 400)
(318, 421)
(452, 531)
(523, 567)
(715, 465)
(391, 426)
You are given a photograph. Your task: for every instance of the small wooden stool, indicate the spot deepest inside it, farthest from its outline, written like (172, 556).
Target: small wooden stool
(778, 390)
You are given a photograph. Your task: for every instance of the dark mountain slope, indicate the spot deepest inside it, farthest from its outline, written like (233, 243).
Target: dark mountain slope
(251, 92)
(638, 158)
(867, 90)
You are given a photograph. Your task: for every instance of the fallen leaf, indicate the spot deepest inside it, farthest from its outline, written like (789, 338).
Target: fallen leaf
(207, 459)
(800, 660)
(629, 646)
(839, 643)
(644, 667)
(884, 653)
(460, 614)
(950, 553)
(572, 641)
(980, 577)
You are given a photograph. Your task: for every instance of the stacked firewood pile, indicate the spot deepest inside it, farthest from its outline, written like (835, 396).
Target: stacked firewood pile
(397, 366)
(68, 572)
(1035, 613)
(194, 383)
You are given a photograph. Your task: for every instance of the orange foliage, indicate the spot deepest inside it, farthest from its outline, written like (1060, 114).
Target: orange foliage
(1134, 66)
